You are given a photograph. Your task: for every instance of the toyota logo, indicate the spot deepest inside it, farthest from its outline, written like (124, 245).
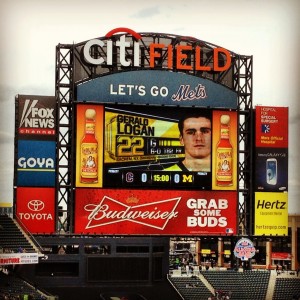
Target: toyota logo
(36, 205)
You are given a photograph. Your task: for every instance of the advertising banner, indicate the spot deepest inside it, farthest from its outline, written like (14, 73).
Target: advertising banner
(36, 117)
(224, 150)
(271, 141)
(155, 212)
(157, 87)
(271, 172)
(271, 213)
(89, 145)
(271, 127)
(18, 258)
(36, 209)
(36, 163)
(281, 256)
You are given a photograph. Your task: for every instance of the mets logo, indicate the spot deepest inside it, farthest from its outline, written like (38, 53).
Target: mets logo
(36, 205)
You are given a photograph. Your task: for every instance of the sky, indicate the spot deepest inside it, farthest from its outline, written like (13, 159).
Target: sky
(266, 30)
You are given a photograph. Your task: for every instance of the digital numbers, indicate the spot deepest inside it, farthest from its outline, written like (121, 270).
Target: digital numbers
(130, 146)
(140, 147)
(144, 177)
(162, 177)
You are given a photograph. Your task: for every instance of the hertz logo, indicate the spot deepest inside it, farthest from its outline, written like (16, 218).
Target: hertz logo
(271, 205)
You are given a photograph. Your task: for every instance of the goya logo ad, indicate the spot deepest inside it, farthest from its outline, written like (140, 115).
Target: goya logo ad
(36, 163)
(35, 209)
(36, 117)
(271, 213)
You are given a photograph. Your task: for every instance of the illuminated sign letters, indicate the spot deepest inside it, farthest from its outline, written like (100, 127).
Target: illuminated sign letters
(177, 56)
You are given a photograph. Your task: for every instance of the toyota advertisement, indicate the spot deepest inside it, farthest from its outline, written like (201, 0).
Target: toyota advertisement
(35, 209)
(155, 212)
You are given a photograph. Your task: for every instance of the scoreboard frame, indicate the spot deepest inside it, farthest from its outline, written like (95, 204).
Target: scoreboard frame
(72, 72)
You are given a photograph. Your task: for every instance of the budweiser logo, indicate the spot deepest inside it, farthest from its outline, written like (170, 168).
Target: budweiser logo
(110, 211)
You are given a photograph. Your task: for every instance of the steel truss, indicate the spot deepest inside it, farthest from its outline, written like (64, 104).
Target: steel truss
(70, 71)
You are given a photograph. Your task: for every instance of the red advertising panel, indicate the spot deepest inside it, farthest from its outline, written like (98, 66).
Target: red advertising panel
(281, 256)
(271, 172)
(271, 127)
(35, 209)
(155, 212)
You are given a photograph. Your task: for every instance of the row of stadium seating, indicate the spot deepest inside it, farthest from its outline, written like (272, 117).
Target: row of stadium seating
(243, 285)
(12, 287)
(246, 285)
(12, 238)
(191, 288)
(287, 288)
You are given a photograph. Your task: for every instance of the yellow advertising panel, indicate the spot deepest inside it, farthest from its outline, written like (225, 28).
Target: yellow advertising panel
(224, 150)
(89, 141)
(271, 213)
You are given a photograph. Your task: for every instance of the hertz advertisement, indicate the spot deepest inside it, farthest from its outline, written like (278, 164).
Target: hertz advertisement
(150, 147)
(271, 213)
(271, 171)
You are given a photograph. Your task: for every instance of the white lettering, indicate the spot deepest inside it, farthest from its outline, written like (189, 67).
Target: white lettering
(35, 216)
(206, 222)
(33, 162)
(103, 211)
(207, 204)
(87, 52)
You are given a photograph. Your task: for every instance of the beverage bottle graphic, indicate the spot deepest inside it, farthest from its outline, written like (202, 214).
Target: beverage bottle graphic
(89, 150)
(224, 155)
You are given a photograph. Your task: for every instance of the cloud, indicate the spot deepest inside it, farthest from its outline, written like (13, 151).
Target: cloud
(146, 13)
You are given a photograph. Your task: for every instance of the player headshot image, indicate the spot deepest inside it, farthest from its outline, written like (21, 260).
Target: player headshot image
(195, 136)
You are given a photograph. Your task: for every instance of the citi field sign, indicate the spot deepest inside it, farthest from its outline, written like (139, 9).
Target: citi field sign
(127, 67)
(176, 56)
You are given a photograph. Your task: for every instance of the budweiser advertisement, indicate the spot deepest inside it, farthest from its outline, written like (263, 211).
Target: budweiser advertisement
(155, 212)
(35, 209)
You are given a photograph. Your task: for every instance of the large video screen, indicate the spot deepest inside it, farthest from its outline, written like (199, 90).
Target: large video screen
(132, 146)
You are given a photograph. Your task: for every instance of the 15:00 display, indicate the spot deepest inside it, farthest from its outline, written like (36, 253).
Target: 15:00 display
(161, 177)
